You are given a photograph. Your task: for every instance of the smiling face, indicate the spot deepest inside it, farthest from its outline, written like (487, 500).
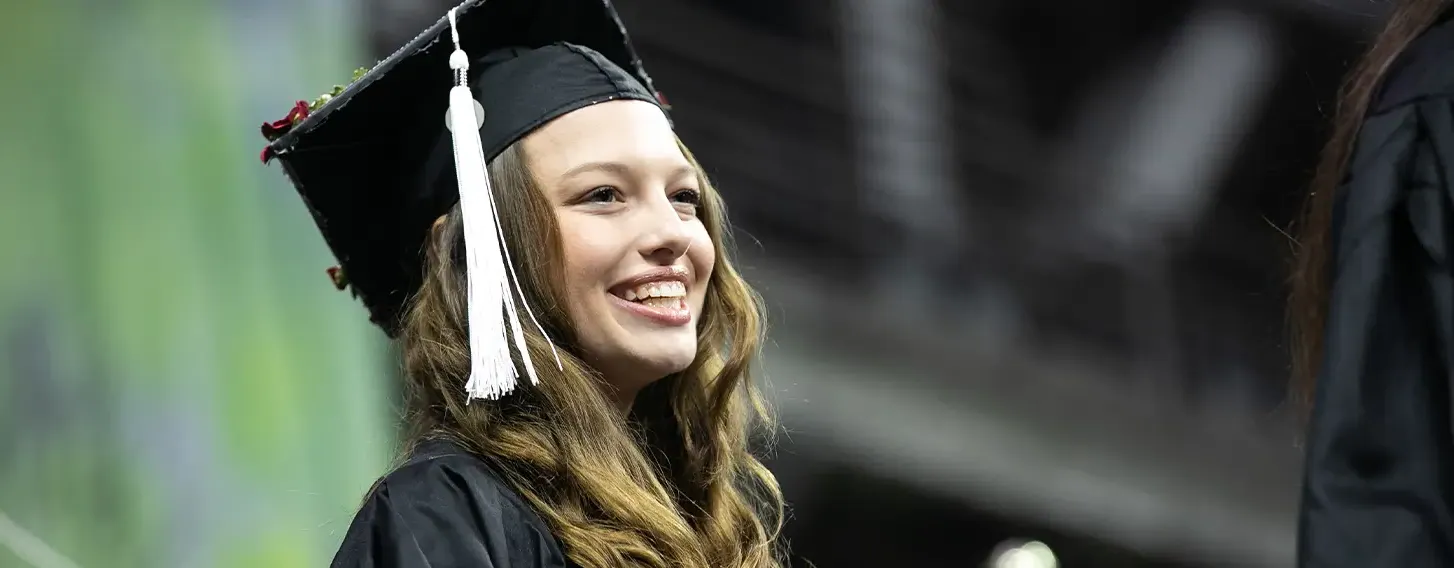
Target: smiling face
(637, 258)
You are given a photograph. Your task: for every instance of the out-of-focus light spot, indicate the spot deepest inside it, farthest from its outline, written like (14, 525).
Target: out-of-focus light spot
(1033, 554)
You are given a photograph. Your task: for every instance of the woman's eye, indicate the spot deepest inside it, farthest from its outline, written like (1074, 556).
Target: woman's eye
(688, 197)
(603, 194)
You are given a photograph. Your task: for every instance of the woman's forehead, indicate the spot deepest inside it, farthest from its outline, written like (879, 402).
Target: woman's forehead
(625, 133)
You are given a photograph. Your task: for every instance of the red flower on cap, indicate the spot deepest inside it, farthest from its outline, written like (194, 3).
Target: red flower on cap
(340, 281)
(277, 128)
(301, 109)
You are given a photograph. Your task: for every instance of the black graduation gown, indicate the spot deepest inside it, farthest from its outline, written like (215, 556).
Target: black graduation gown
(446, 508)
(1379, 476)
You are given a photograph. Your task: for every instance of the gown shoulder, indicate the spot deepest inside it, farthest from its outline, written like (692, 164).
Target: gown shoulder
(446, 508)
(1380, 447)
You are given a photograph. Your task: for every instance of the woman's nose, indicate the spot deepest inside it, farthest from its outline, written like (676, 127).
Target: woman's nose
(666, 237)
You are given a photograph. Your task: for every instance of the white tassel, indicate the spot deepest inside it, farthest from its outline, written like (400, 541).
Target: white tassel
(491, 281)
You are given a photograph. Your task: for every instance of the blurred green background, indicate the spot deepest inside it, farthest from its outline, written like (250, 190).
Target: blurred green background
(180, 385)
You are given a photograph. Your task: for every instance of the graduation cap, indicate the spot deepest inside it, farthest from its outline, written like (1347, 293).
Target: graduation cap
(378, 161)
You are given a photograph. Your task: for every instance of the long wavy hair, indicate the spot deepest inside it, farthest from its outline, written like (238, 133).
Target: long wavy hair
(674, 484)
(1308, 298)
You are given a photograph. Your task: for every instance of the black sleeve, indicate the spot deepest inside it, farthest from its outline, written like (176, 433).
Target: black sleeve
(445, 513)
(1379, 461)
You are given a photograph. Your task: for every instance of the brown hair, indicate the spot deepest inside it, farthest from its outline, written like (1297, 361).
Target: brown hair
(675, 484)
(1308, 300)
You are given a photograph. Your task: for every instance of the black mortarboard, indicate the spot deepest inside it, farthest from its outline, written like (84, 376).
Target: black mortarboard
(376, 165)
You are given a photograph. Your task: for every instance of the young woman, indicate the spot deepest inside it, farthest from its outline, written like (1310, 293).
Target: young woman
(606, 420)
(1373, 308)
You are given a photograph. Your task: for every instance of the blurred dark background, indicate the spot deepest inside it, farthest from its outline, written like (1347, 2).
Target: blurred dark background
(1023, 258)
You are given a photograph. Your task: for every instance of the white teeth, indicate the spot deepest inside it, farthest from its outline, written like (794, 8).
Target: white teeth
(671, 289)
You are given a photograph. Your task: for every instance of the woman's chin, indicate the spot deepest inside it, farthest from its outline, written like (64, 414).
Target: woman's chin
(651, 361)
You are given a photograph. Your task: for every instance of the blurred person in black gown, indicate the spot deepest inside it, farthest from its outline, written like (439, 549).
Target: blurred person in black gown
(1372, 308)
(507, 197)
